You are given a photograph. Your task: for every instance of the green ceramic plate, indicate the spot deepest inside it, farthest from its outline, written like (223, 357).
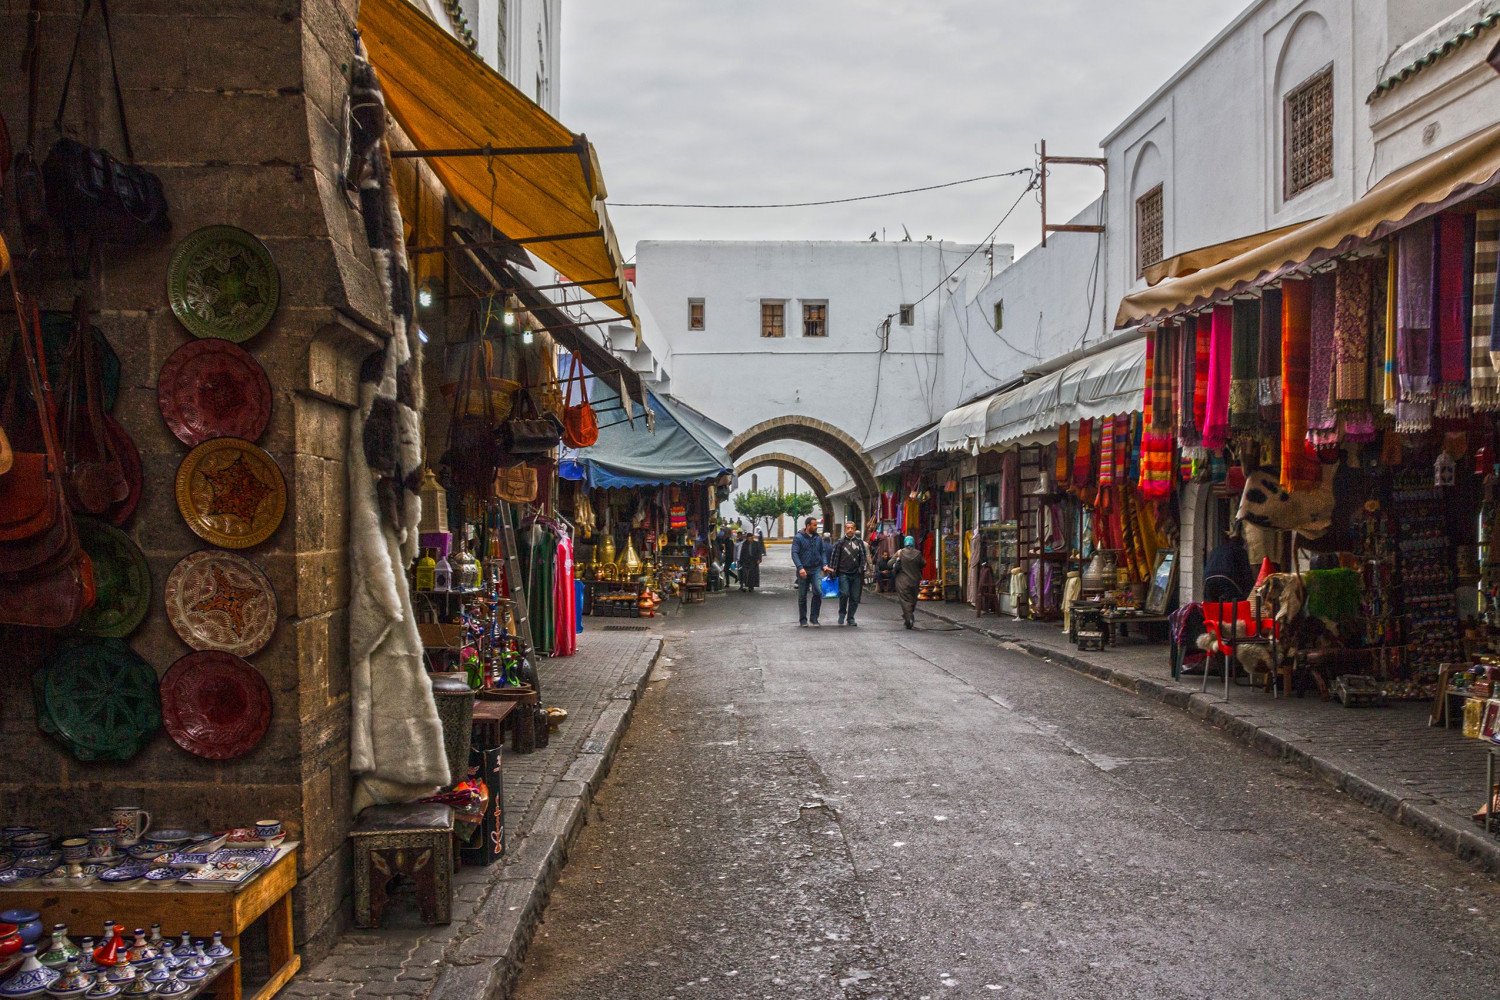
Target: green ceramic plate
(121, 577)
(223, 283)
(102, 698)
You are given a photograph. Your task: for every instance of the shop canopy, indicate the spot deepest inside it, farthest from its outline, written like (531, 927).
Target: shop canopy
(1106, 384)
(495, 150)
(924, 441)
(1414, 192)
(679, 450)
(962, 428)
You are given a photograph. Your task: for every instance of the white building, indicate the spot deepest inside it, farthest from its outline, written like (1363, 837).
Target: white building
(521, 39)
(810, 350)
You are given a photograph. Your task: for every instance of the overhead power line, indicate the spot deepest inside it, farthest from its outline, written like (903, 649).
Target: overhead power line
(830, 201)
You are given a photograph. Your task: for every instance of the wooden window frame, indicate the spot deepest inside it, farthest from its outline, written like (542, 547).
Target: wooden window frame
(1158, 193)
(808, 321)
(908, 314)
(780, 324)
(1297, 150)
(698, 322)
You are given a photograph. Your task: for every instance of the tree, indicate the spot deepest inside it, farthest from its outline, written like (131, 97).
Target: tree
(798, 505)
(758, 506)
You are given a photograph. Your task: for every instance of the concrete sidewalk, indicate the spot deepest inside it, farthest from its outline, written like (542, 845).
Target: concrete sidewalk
(547, 794)
(1430, 779)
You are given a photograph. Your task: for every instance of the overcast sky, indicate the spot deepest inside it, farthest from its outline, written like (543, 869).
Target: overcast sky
(756, 101)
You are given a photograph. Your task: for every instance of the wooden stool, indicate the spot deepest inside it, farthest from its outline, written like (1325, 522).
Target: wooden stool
(414, 840)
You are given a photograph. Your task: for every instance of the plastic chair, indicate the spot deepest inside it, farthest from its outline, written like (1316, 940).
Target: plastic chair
(1246, 628)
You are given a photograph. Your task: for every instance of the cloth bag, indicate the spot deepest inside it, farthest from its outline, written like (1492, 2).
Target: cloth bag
(580, 424)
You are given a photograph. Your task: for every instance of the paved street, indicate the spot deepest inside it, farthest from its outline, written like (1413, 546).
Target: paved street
(883, 813)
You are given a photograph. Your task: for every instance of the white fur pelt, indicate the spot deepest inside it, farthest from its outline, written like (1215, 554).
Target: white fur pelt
(396, 738)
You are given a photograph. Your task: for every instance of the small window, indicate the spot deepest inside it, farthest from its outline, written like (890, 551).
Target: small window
(815, 319)
(999, 314)
(908, 315)
(1308, 125)
(1148, 230)
(773, 319)
(695, 314)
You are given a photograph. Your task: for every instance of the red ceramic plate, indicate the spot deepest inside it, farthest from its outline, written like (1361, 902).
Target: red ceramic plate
(215, 705)
(211, 388)
(130, 458)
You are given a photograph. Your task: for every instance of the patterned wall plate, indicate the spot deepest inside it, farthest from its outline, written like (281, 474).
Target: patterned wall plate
(101, 698)
(121, 577)
(223, 283)
(218, 600)
(130, 458)
(215, 705)
(231, 493)
(211, 389)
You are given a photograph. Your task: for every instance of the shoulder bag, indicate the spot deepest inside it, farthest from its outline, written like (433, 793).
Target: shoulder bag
(473, 452)
(95, 479)
(580, 425)
(530, 432)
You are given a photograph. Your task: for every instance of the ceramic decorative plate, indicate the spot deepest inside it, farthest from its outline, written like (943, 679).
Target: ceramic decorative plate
(57, 328)
(100, 699)
(122, 873)
(211, 389)
(130, 461)
(165, 874)
(7, 861)
(231, 493)
(223, 283)
(121, 578)
(218, 600)
(215, 705)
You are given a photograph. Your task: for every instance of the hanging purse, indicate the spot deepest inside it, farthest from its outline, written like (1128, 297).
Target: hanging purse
(530, 432)
(88, 191)
(580, 425)
(95, 479)
(473, 452)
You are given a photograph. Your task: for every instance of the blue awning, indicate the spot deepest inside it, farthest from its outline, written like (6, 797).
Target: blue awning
(678, 449)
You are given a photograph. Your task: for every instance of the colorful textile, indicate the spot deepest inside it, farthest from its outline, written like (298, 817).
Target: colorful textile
(1299, 469)
(1216, 401)
(565, 600)
(1148, 394)
(1322, 422)
(1484, 375)
(1268, 382)
(1414, 263)
(1201, 340)
(1353, 295)
(1132, 472)
(1083, 459)
(1388, 385)
(1244, 359)
(1106, 455)
(1063, 467)
(1010, 484)
(1163, 379)
(1454, 285)
(1188, 434)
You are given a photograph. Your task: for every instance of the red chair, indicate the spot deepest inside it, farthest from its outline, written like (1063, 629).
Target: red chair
(1232, 624)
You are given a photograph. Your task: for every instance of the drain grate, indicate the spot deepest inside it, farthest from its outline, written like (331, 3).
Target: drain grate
(625, 628)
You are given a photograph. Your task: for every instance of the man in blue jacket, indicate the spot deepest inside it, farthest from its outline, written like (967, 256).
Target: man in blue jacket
(810, 556)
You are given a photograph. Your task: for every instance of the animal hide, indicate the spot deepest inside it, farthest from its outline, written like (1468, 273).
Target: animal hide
(396, 738)
(1308, 512)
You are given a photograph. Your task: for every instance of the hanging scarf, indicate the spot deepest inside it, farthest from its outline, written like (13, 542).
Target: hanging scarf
(1484, 377)
(1243, 359)
(1162, 380)
(1322, 422)
(1133, 450)
(1083, 459)
(1414, 302)
(1388, 384)
(1106, 455)
(1148, 394)
(1454, 286)
(1268, 381)
(1187, 350)
(1299, 469)
(1201, 339)
(1062, 467)
(1216, 402)
(1010, 469)
(1355, 282)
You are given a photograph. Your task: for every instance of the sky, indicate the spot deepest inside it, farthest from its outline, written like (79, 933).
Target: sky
(741, 101)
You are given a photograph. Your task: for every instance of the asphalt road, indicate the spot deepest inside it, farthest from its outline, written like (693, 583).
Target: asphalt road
(869, 813)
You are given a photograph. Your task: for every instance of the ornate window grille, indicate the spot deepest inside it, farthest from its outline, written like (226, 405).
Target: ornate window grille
(1148, 229)
(1308, 154)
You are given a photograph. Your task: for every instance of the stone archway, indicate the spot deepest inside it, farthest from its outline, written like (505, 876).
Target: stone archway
(796, 466)
(820, 434)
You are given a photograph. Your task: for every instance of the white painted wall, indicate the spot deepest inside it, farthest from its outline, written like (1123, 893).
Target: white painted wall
(739, 378)
(522, 39)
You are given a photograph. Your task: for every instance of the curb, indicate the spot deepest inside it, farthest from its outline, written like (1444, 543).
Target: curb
(488, 963)
(1416, 814)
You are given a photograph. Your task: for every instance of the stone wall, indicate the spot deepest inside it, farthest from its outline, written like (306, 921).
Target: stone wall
(236, 105)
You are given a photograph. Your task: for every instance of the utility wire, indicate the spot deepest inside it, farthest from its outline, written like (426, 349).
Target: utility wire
(831, 201)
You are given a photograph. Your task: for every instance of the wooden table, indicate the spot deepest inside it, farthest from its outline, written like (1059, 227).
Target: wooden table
(198, 910)
(1118, 626)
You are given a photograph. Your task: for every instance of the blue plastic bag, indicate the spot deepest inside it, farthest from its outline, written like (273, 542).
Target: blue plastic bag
(830, 586)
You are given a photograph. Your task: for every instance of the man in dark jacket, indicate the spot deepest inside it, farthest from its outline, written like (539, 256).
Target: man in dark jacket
(808, 555)
(849, 560)
(909, 564)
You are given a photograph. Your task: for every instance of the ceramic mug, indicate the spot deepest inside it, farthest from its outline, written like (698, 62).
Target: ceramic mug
(131, 824)
(102, 842)
(268, 829)
(75, 849)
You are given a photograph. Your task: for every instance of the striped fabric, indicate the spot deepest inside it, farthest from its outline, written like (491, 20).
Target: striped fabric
(1216, 392)
(1083, 459)
(1268, 383)
(1322, 422)
(1106, 454)
(1188, 434)
(1200, 375)
(1388, 390)
(1299, 469)
(1484, 377)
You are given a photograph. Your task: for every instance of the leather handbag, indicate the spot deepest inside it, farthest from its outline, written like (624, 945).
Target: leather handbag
(96, 479)
(88, 191)
(473, 452)
(580, 425)
(530, 432)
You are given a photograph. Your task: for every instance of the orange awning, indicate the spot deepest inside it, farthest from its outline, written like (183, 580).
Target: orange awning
(1411, 193)
(446, 98)
(1196, 260)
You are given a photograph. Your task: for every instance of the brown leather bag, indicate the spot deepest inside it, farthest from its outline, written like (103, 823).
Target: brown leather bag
(55, 599)
(96, 479)
(580, 425)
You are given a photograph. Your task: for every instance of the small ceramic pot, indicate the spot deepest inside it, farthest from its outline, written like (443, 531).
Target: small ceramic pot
(28, 924)
(31, 845)
(9, 833)
(102, 843)
(75, 849)
(10, 941)
(268, 829)
(30, 978)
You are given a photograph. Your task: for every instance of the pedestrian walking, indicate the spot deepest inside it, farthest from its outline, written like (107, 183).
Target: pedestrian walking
(809, 557)
(849, 560)
(909, 565)
(732, 561)
(752, 552)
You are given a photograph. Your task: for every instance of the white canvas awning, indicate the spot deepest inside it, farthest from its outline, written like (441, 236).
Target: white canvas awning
(924, 443)
(962, 428)
(1103, 385)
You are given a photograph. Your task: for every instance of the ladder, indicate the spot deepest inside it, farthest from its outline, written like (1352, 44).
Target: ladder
(515, 584)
